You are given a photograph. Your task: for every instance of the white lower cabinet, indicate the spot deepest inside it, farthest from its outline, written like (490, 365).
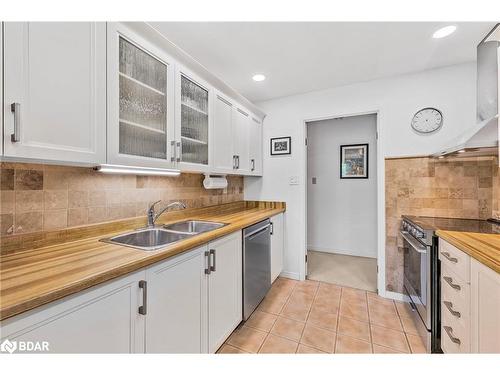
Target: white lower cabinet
(277, 245)
(186, 304)
(224, 289)
(176, 304)
(104, 319)
(485, 309)
(470, 303)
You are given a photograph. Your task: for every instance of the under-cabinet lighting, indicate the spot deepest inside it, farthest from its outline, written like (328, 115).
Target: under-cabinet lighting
(444, 31)
(259, 77)
(120, 169)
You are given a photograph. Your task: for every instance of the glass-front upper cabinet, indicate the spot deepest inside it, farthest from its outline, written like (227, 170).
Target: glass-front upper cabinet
(140, 101)
(193, 122)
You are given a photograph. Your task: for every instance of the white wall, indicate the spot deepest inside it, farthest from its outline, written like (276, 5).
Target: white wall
(451, 89)
(341, 213)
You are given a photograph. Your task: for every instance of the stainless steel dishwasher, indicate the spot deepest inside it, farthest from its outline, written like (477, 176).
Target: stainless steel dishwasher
(256, 265)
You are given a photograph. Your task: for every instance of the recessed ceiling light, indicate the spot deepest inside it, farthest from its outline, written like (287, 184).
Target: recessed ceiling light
(259, 77)
(444, 31)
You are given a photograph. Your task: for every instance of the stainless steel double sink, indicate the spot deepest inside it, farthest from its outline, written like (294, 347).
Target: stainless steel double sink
(149, 239)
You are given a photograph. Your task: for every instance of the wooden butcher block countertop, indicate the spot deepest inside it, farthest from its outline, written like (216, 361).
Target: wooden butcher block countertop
(33, 277)
(481, 246)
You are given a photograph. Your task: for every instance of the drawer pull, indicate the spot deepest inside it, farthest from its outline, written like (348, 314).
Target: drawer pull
(449, 306)
(449, 332)
(449, 280)
(449, 257)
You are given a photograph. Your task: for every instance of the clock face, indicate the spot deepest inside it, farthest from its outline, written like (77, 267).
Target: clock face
(427, 120)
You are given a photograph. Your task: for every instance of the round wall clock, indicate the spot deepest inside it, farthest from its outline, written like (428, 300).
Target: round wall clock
(427, 120)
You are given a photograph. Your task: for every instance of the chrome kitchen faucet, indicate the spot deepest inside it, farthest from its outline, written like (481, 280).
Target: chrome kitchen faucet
(153, 216)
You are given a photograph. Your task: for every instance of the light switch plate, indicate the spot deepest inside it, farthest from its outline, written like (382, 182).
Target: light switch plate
(294, 180)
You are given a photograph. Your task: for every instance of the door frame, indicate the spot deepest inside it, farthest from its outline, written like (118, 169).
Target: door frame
(380, 195)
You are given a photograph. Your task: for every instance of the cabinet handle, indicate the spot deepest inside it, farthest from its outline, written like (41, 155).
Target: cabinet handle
(237, 161)
(449, 306)
(143, 310)
(234, 161)
(212, 267)
(271, 225)
(208, 269)
(450, 258)
(15, 108)
(179, 149)
(449, 280)
(173, 152)
(253, 164)
(449, 332)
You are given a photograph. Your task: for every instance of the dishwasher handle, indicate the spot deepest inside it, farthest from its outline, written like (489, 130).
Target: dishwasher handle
(257, 231)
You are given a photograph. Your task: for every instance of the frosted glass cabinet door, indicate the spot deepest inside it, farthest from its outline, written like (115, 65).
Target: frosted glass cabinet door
(192, 121)
(140, 97)
(55, 90)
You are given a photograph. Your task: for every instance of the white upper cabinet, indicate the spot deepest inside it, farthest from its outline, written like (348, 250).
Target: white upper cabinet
(55, 91)
(223, 160)
(193, 121)
(141, 81)
(241, 140)
(255, 138)
(86, 93)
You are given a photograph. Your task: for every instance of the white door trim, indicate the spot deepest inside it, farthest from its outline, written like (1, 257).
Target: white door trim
(380, 196)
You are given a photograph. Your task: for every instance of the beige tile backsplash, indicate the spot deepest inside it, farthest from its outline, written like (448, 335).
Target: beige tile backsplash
(466, 188)
(37, 197)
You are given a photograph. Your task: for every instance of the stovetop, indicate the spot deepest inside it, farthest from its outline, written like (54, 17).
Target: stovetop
(459, 225)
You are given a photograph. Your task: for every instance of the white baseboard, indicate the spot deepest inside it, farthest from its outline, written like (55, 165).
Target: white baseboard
(395, 296)
(290, 275)
(340, 252)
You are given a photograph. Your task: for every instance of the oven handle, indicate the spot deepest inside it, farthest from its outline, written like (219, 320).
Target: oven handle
(414, 243)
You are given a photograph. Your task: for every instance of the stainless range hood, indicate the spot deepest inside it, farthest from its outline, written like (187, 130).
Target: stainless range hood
(482, 139)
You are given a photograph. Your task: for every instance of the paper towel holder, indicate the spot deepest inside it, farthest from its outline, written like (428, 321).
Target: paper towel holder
(215, 181)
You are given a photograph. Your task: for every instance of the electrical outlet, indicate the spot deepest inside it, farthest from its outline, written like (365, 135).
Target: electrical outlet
(294, 180)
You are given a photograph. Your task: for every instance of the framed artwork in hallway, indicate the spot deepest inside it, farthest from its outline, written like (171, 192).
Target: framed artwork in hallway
(281, 146)
(354, 161)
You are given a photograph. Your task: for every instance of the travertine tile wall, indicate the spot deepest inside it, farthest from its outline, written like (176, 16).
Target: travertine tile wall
(37, 197)
(434, 187)
(496, 195)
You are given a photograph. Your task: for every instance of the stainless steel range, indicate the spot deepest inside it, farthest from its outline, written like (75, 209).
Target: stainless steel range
(421, 280)
(422, 269)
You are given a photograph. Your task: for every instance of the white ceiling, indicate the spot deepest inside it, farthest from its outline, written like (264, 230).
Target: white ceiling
(299, 57)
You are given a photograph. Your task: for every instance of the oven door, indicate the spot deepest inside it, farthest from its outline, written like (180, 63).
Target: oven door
(417, 275)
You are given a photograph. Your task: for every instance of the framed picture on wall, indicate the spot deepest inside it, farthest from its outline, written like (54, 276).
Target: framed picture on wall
(281, 146)
(354, 161)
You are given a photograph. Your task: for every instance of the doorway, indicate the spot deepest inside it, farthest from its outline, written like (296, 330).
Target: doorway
(342, 201)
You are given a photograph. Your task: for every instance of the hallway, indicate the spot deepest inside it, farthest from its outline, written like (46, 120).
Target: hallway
(345, 270)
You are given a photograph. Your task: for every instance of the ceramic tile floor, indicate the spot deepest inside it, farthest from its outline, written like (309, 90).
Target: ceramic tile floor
(316, 317)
